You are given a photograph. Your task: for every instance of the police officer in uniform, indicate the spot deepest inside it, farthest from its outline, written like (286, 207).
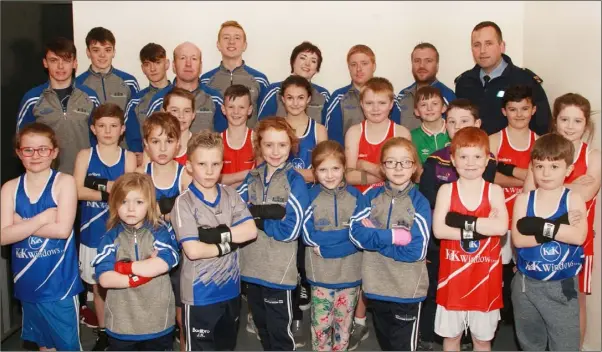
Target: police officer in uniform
(485, 84)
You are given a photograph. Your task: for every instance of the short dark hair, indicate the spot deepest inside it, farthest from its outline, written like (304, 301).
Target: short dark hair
(516, 94)
(152, 52)
(237, 91)
(425, 46)
(108, 110)
(464, 104)
(427, 92)
(294, 80)
(491, 24)
(62, 47)
(100, 35)
(306, 47)
(553, 147)
(178, 92)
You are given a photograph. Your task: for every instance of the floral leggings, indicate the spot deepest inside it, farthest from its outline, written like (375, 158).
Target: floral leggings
(331, 317)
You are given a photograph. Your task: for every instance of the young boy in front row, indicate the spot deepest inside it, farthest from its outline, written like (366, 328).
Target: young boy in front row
(469, 218)
(210, 221)
(548, 227)
(37, 214)
(438, 170)
(431, 135)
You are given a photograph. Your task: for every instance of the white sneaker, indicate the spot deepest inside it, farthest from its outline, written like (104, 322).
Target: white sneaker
(251, 328)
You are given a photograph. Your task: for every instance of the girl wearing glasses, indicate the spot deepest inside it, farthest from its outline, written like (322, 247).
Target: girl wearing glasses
(363, 144)
(393, 229)
(332, 261)
(37, 214)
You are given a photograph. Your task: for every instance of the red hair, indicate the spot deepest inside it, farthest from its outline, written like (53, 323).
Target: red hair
(279, 124)
(470, 137)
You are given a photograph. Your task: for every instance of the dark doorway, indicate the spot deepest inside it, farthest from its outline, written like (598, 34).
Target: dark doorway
(26, 26)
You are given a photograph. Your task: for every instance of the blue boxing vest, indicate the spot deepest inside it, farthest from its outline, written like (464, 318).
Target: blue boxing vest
(553, 260)
(44, 269)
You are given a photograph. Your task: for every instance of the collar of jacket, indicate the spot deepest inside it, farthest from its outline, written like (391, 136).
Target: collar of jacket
(393, 193)
(224, 69)
(100, 74)
(261, 170)
(338, 190)
(153, 88)
(131, 230)
(175, 82)
(50, 89)
(413, 87)
(474, 73)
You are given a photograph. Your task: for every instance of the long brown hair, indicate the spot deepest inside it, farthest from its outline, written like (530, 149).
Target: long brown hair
(132, 181)
(579, 101)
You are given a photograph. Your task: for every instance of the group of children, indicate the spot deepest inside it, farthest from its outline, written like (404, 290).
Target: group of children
(416, 225)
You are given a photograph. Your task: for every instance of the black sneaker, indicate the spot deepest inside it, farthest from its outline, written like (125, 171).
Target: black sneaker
(102, 341)
(425, 346)
(358, 334)
(304, 298)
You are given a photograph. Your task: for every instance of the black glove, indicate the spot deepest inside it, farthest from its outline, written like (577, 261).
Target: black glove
(259, 223)
(104, 195)
(505, 169)
(225, 248)
(215, 235)
(543, 230)
(268, 211)
(166, 204)
(96, 183)
(466, 223)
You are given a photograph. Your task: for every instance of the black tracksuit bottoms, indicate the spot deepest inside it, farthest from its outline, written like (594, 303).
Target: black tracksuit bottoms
(273, 315)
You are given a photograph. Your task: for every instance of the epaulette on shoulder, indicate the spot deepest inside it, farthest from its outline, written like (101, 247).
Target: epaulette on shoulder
(458, 78)
(536, 78)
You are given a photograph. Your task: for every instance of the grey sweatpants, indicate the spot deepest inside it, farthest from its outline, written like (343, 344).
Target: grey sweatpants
(546, 313)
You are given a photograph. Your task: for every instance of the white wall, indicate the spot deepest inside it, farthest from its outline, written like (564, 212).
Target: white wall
(273, 29)
(562, 45)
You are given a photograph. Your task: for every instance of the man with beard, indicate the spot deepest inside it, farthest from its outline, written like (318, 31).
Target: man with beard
(425, 65)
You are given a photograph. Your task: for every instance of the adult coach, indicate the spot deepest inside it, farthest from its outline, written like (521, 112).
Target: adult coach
(425, 66)
(484, 85)
(187, 64)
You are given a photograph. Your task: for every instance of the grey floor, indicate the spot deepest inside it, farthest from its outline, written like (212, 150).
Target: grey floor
(504, 340)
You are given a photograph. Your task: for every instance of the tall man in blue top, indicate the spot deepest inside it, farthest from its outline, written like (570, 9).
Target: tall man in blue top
(232, 43)
(187, 64)
(425, 66)
(485, 84)
(344, 109)
(110, 84)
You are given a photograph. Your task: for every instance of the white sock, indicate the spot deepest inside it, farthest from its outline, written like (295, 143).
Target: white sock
(360, 321)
